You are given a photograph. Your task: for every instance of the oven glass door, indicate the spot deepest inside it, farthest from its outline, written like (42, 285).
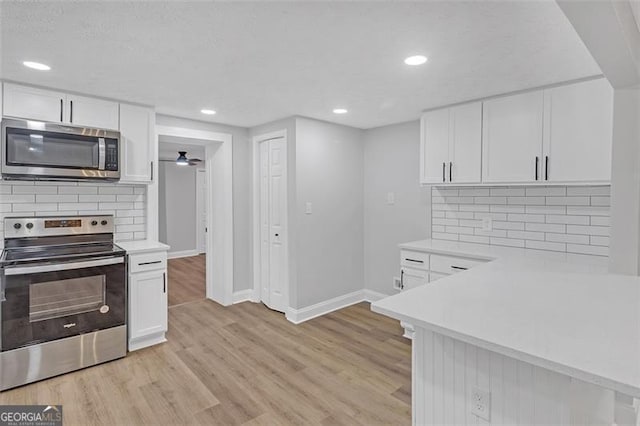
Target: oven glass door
(40, 148)
(48, 302)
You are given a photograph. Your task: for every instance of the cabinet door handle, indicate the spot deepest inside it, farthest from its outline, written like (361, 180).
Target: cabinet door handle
(61, 107)
(537, 161)
(164, 282)
(401, 279)
(413, 260)
(546, 167)
(458, 268)
(71, 111)
(444, 172)
(450, 168)
(152, 171)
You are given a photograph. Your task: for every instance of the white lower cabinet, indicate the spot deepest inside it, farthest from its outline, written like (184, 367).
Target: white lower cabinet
(148, 301)
(418, 268)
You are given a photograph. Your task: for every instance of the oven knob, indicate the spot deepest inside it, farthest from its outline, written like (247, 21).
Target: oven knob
(104, 222)
(17, 226)
(94, 222)
(29, 225)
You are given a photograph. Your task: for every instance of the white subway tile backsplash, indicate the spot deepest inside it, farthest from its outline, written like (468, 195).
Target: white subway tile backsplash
(589, 190)
(568, 201)
(567, 219)
(568, 238)
(588, 230)
(546, 190)
(509, 192)
(526, 200)
(545, 227)
(545, 245)
(554, 218)
(526, 235)
(125, 202)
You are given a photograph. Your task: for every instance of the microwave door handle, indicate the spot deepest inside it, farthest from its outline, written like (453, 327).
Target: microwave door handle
(26, 270)
(102, 153)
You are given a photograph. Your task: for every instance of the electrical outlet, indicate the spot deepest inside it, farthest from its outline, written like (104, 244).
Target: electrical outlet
(480, 403)
(396, 283)
(487, 224)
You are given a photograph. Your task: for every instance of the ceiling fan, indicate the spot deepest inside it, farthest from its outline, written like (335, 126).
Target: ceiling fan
(182, 160)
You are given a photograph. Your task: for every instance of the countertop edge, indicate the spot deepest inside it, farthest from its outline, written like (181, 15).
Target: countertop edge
(625, 388)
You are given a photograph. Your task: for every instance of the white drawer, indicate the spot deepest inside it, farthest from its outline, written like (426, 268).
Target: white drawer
(414, 259)
(147, 262)
(451, 265)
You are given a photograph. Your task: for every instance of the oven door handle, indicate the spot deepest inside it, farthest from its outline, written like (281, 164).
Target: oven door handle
(25, 270)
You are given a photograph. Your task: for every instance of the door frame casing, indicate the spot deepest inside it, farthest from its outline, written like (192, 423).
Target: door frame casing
(257, 251)
(219, 166)
(200, 203)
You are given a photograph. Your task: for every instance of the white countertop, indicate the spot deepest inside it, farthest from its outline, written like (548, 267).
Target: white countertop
(142, 246)
(561, 312)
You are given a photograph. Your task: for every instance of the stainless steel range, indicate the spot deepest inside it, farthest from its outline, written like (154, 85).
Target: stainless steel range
(63, 298)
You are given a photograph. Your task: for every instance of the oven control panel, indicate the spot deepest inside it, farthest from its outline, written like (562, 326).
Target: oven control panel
(20, 227)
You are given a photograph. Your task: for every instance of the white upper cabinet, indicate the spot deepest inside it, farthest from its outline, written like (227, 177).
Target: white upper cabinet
(33, 104)
(451, 145)
(47, 105)
(137, 133)
(578, 127)
(512, 138)
(434, 149)
(465, 143)
(91, 112)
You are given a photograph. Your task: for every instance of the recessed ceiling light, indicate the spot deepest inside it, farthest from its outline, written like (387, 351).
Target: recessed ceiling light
(415, 60)
(339, 111)
(207, 111)
(36, 66)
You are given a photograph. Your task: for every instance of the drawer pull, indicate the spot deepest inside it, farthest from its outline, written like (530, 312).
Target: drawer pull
(413, 260)
(459, 268)
(155, 262)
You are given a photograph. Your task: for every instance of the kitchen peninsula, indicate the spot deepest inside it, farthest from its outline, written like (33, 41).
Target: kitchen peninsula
(534, 337)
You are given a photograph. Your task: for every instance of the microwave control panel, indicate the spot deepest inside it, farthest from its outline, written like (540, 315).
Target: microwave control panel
(111, 154)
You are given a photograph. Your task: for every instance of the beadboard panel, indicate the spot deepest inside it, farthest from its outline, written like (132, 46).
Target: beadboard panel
(126, 202)
(554, 218)
(446, 370)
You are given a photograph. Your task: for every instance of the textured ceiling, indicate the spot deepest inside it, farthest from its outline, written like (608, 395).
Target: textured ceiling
(254, 62)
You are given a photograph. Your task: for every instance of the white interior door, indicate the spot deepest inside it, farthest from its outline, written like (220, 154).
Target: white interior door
(201, 209)
(273, 219)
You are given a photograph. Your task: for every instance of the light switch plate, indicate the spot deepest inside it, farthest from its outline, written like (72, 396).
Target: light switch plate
(391, 198)
(307, 208)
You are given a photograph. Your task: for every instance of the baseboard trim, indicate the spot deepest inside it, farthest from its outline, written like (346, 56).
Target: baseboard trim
(373, 296)
(242, 296)
(183, 253)
(298, 316)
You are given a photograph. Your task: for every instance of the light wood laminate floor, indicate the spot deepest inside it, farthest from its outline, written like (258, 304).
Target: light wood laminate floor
(245, 364)
(187, 277)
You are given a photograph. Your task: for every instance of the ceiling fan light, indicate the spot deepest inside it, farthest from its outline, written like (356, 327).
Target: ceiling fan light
(182, 159)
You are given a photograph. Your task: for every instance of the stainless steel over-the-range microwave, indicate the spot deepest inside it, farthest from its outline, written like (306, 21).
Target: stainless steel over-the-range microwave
(53, 151)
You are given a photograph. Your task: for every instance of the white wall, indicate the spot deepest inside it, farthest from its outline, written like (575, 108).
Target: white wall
(242, 199)
(177, 206)
(391, 165)
(329, 174)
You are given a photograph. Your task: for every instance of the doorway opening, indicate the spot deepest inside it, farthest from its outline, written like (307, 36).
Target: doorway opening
(182, 200)
(218, 168)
